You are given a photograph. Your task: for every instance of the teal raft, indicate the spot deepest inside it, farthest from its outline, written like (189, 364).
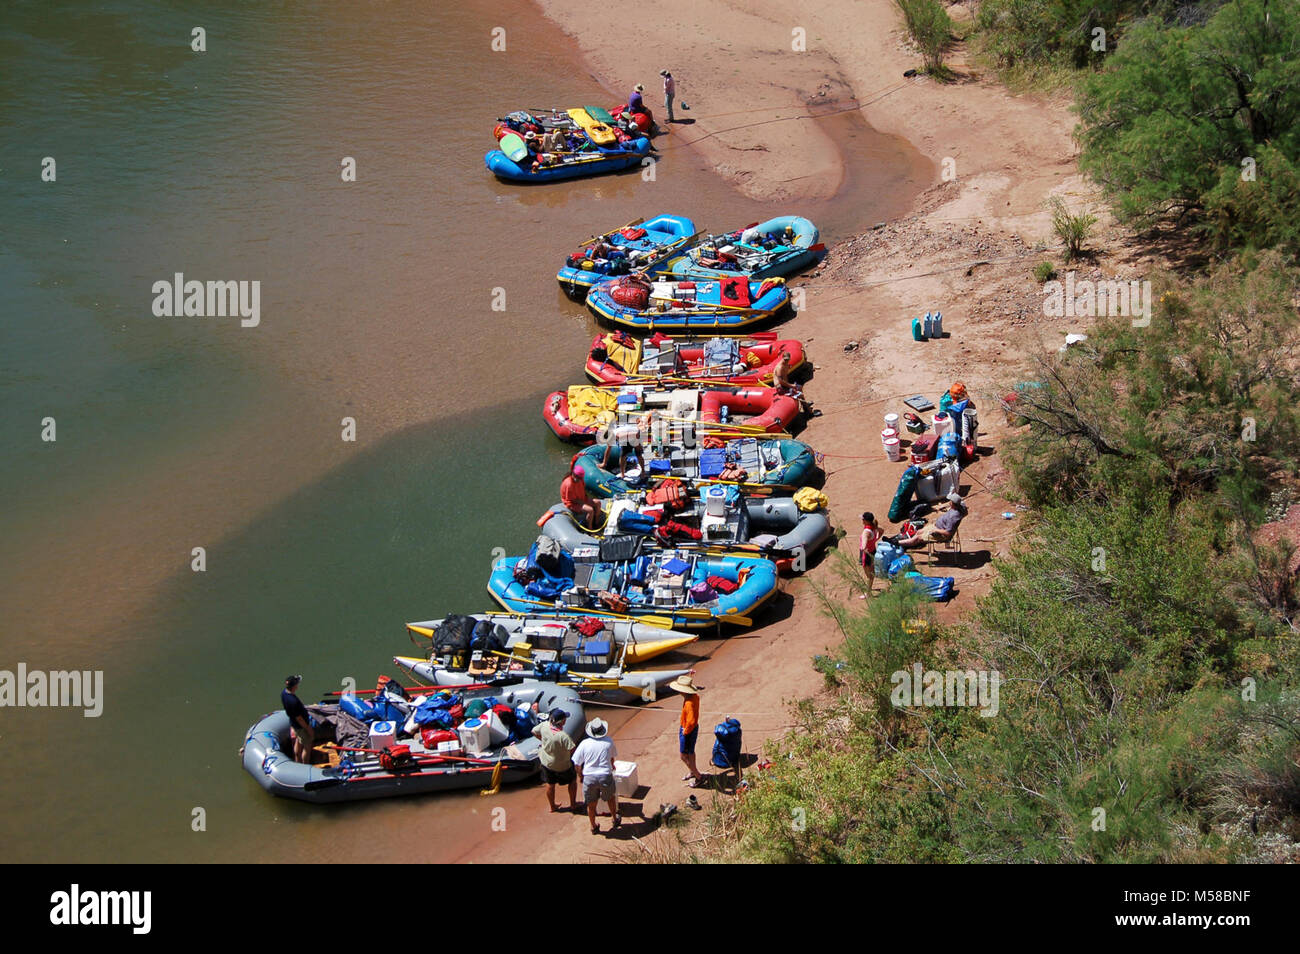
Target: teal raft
(649, 304)
(638, 246)
(777, 247)
(690, 590)
(780, 465)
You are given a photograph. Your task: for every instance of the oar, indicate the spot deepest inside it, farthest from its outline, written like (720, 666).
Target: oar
(663, 622)
(597, 238)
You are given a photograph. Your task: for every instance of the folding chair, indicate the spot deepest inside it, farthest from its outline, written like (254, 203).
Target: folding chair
(952, 543)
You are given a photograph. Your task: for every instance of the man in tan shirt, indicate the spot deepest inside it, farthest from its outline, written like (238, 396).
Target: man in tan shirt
(556, 758)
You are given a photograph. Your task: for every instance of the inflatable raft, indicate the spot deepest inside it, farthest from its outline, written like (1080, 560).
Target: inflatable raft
(585, 413)
(727, 521)
(267, 756)
(640, 642)
(568, 165)
(637, 246)
(648, 304)
(781, 465)
(619, 358)
(673, 585)
(777, 247)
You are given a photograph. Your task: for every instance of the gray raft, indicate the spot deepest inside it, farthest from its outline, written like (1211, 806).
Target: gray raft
(268, 756)
(795, 530)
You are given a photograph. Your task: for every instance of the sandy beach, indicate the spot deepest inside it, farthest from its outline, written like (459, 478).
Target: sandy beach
(967, 248)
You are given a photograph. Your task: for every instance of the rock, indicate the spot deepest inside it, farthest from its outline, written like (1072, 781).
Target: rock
(851, 346)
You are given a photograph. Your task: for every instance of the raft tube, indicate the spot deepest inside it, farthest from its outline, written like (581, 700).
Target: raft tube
(684, 358)
(756, 578)
(268, 756)
(603, 160)
(664, 235)
(707, 310)
(795, 530)
(796, 250)
(797, 468)
(643, 640)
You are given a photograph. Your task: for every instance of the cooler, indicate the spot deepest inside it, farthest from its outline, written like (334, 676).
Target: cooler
(625, 779)
(383, 734)
(475, 736)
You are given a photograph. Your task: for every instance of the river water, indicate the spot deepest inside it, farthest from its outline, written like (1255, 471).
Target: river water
(175, 433)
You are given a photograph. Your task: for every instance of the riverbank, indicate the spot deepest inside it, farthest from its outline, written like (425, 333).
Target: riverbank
(968, 248)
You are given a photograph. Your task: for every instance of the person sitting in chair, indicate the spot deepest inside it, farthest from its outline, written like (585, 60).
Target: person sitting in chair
(943, 529)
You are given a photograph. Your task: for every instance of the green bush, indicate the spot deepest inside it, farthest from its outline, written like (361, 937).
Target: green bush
(1044, 272)
(930, 28)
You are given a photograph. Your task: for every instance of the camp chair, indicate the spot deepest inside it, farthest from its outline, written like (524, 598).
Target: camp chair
(953, 543)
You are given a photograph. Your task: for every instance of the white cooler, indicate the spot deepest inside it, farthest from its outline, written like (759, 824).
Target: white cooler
(625, 780)
(497, 731)
(475, 736)
(383, 734)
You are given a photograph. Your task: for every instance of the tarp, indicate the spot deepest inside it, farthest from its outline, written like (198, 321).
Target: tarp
(591, 407)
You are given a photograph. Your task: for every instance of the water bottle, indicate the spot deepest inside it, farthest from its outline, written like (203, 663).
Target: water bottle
(936, 329)
(918, 333)
(927, 326)
(722, 414)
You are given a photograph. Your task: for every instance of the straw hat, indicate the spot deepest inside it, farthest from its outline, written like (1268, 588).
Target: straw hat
(597, 728)
(639, 88)
(685, 685)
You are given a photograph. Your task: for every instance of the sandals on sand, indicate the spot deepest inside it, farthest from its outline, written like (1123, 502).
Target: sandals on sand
(618, 821)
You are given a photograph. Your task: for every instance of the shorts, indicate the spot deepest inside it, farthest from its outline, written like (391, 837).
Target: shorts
(686, 740)
(598, 788)
(552, 777)
(302, 735)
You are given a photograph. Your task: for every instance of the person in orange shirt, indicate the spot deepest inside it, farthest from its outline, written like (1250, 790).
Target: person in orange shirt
(573, 494)
(688, 731)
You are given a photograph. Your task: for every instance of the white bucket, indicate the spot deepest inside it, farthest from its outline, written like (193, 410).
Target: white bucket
(891, 421)
(715, 502)
(893, 449)
(886, 435)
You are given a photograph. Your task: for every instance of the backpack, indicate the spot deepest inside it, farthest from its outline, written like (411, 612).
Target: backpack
(548, 554)
(727, 743)
(395, 758)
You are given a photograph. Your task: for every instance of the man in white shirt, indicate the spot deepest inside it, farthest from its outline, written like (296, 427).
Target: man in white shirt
(594, 759)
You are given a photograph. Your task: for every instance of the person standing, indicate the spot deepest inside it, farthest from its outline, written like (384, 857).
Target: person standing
(594, 760)
(688, 727)
(301, 726)
(556, 756)
(670, 92)
(871, 534)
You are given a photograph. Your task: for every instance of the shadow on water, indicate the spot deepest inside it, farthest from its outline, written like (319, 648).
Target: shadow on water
(321, 584)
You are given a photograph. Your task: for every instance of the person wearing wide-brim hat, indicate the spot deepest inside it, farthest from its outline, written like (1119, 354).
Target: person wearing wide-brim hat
(594, 759)
(688, 727)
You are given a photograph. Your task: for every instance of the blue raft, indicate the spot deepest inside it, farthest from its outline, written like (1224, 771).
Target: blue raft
(638, 246)
(572, 166)
(777, 247)
(664, 305)
(670, 584)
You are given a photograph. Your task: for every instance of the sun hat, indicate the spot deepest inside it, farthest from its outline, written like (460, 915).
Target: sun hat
(579, 472)
(685, 685)
(639, 88)
(664, 73)
(597, 728)
(558, 716)
(955, 497)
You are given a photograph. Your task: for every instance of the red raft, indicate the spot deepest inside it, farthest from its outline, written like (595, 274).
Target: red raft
(581, 413)
(617, 357)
